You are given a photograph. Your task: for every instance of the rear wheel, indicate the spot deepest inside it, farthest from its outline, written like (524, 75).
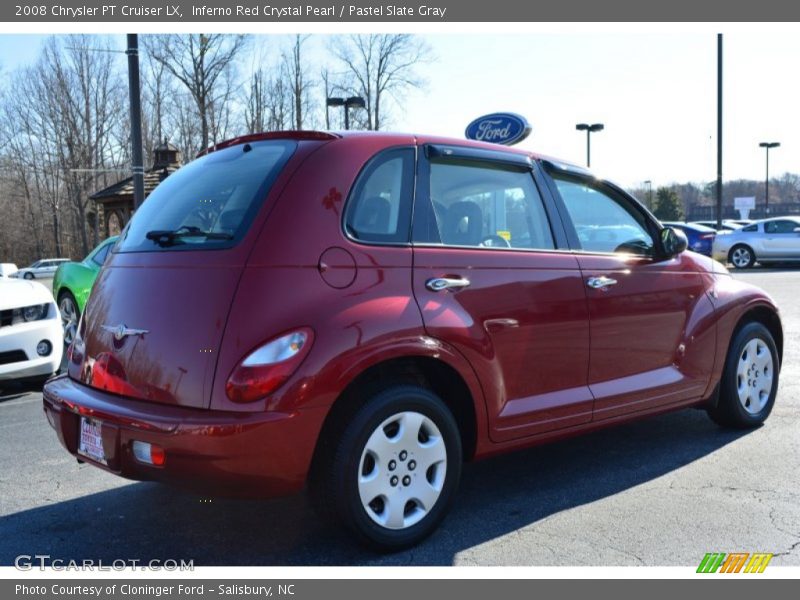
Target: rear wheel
(742, 257)
(394, 469)
(750, 379)
(70, 315)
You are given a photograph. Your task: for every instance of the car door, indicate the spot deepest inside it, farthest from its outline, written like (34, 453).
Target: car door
(43, 270)
(651, 320)
(781, 240)
(493, 280)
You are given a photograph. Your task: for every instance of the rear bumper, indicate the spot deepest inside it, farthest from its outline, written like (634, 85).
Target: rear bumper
(212, 452)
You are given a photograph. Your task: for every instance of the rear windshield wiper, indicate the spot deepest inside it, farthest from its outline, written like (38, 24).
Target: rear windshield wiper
(168, 237)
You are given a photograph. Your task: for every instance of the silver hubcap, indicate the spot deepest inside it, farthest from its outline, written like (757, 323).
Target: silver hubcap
(69, 318)
(402, 470)
(741, 257)
(754, 376)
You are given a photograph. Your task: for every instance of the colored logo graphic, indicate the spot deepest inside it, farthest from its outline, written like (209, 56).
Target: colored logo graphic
(499, 128)
(736, 562)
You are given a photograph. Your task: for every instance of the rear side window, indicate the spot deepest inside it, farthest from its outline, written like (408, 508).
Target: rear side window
(487, 205)
(209, 203)
(379, 209)
(780, 226)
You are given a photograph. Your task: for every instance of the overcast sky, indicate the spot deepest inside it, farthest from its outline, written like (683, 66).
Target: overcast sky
(655, 93)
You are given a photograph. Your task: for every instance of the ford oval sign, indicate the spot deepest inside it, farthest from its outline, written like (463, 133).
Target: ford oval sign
(499, 128)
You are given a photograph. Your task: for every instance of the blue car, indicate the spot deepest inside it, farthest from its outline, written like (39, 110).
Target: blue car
(701, 238)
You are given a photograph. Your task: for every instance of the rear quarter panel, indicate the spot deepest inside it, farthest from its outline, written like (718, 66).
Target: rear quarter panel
(282, 287)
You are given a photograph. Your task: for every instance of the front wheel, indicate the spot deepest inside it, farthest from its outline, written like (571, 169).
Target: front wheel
(70, 315)
(28, 275)
(750, 379)
(394, 469)
(742, 257)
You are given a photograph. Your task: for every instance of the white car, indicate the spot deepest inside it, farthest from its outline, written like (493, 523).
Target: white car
(41, 268)
(31, 338)
(8, 270)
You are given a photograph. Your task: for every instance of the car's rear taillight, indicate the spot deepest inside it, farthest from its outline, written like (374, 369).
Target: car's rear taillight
(269, 366)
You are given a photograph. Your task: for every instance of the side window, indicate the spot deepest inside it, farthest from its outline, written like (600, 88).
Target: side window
(780, 226)
(487, 205)
(100, 257)
(751, 228)
(603, 222)
(379, 209)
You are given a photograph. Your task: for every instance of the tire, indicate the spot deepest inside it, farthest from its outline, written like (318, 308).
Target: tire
(389, 486)
(742, 256)
(750, 379)
(70, 315)
(28, 275)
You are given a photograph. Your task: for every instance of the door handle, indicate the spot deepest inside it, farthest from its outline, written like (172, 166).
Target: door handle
(600, 283)
(437, 284)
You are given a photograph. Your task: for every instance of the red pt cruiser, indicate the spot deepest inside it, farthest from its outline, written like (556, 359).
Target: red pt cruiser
(362, 313)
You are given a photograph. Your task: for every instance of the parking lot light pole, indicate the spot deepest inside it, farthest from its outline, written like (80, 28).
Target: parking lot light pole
(137, 164)
(347, 103)
(767, 146)
(649, 185)
(589, 129)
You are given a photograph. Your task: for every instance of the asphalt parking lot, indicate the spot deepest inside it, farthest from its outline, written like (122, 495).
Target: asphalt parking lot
(662, 491)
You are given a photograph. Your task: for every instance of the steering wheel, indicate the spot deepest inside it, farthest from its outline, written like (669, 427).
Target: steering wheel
(494, 241)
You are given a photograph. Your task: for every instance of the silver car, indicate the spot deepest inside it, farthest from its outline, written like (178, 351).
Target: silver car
(766, 241)
(41, 268)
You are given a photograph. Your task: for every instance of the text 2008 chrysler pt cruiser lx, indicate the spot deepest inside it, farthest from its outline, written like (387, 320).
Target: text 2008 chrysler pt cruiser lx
(364, 312)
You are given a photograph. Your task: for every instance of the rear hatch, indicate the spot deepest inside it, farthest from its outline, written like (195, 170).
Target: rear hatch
(154, 322)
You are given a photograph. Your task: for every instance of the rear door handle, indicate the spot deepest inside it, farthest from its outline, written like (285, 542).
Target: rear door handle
(600, 283)
(437, 284)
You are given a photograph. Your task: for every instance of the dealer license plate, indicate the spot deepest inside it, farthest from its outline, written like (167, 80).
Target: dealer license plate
(90, 443)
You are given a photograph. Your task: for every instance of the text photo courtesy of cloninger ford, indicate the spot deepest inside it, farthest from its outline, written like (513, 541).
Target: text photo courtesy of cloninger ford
(386, 299)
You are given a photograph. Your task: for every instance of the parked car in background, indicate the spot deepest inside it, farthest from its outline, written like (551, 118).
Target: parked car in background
(362, 312)
(768, 241)
(8, 270)
(700, 237)
(31, 342)
(727, 224)
(72, 283)
(44, 268)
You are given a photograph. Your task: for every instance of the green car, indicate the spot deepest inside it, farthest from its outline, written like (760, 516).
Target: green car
(72, 283)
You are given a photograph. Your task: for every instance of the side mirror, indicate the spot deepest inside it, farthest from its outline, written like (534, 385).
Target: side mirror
(673, 241)
(797, 229)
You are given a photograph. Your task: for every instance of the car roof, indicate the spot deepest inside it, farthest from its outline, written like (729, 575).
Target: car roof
(794, 218)
(389, 138)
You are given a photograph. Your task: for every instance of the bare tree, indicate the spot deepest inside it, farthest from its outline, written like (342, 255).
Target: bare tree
(381, 65)
(201, 62)
(62, 114)
(157, 93)
(294, 70)
(267, 103)
(85, 97)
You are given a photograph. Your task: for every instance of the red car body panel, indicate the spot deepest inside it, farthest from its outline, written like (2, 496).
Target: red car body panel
(529, 311)
(653, 333)
(542, 356)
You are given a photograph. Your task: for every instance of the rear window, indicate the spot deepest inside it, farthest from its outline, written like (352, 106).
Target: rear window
(209, 203)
